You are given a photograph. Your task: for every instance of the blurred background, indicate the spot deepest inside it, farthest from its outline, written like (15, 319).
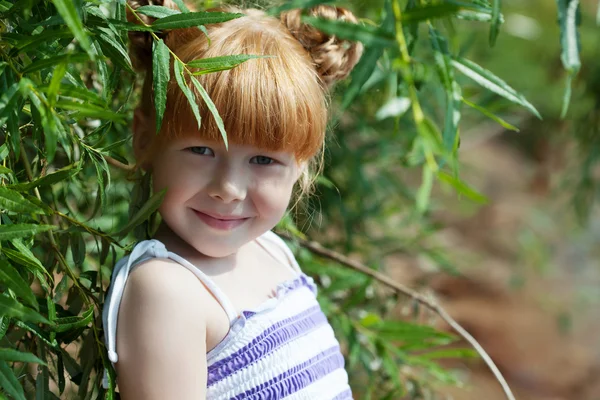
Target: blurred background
(522, 271)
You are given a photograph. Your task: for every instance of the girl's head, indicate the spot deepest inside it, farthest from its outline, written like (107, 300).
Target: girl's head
(277, 104)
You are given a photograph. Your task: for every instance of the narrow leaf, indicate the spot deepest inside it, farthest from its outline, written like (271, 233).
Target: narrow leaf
(223, 63)
(27, 260)
(15, 355)
(188, 20)
(50, 179)
(90, 110)
(11, 278)
(156, 11)
(69, 323)
(462, 188)
(12, 308)
(491, 115)
(51, 62)
(8, 232)
(147, 209)
(161, 71)
(289, 5)
(15, 202)
(367, 34)
(491, 82)
(213, 109)
(9, 382)
(181, 5)
(569, 18)
(115, 51)
(495, 24)
(66, 9)
(180, 78)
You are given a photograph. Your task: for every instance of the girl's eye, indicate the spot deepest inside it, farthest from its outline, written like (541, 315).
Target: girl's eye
(262, 160)
(201, 150)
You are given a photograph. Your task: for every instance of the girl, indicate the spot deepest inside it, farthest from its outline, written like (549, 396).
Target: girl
(215, 306)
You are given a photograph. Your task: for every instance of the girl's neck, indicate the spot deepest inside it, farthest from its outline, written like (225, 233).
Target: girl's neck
(176, 245)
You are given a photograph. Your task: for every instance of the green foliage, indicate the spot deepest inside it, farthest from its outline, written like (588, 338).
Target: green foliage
(66, 100)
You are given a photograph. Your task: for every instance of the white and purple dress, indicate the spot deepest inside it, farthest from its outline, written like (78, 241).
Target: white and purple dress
(283, 349)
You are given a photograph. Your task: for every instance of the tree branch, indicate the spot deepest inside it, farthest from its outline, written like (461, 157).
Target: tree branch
(431, 304)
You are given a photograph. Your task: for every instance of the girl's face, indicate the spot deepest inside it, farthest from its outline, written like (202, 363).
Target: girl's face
(217, 200)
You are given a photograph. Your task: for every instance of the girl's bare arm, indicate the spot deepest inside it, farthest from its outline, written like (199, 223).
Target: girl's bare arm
(161, 334)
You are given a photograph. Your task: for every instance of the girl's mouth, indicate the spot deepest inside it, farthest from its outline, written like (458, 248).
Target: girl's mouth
(221, 222)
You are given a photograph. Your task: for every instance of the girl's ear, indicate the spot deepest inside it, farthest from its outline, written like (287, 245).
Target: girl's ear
(142, 138)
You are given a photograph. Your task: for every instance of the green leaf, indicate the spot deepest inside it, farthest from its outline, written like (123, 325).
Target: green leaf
(569, 17)
(15, 355)
(60, 175)
(77, 93)
(181, 5)
(188, 20)
(51, 62)
(9, 382)
(424, 192)
(462, 188)
(156, 11)
(39, 101)
(491, 115)
(291, 4)
(71, 323)
(5, 5)
(144, 212)
(66, 9)
(15, 202)
(53, 88)
(115, 50)
(26, 259)
(180, 78)
(496, 20)
(491, 82)
(77, 248)
(10, 307)
(7, 100)
(213, 109)
(430, 11)
(8, 232)
(90, 110)
(7, 171)
(161, 70)
(367, 34)
(395, 107)
(215, 64)
(11, 278)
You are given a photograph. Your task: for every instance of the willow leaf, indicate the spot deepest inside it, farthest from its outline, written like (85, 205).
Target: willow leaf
(490, 115)
(462, 188)
(15, 355)
(289, 5)
(12, 280)
(12, 308)
(182, 6)
(222, 63)
(367, 34)
(212, 108)
(156, 11)
(8, 232)
(189, 94)
(144, 212)
(188, 20)
(69, 323)
(495, 23)
(161, 71)
(491, 82)
(67, 10)
(51, 62)
(50, 179)
(569, 18)
(13, 201)
(9, 382)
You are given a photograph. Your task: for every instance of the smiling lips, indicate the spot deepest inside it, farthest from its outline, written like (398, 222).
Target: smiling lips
(221, 222)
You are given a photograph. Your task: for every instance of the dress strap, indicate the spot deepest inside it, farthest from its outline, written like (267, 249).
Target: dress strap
(144, 251)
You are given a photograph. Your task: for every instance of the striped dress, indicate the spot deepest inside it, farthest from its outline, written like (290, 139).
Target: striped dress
(285, 348)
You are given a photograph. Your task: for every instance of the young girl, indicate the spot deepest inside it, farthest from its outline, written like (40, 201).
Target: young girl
(215, 306)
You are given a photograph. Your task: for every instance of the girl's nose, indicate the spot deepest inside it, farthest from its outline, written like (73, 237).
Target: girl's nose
(228, 186)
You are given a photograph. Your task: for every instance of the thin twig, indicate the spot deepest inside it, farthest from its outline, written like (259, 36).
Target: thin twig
(117, 163)
(318, 249)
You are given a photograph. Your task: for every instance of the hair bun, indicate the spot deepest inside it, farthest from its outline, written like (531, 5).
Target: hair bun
(334, 57)
(140, 43)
